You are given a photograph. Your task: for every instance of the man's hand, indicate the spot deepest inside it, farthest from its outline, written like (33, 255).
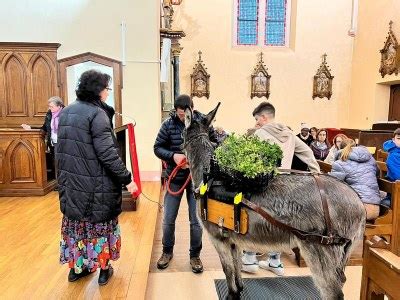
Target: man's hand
(178, 158)
(132, 187)
(26, 127)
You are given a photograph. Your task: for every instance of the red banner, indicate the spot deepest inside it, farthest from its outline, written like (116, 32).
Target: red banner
(134, 160)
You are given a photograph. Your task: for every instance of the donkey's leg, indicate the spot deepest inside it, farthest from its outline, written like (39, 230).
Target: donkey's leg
(228, 265)
(324, 263)
(237, 262)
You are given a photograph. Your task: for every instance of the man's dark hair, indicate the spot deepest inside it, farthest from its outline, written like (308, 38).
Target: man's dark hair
(264, 107)
(396, 132)
(90, 84)
(183, 101)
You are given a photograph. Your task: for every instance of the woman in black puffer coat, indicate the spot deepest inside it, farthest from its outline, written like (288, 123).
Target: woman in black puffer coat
(90, 179)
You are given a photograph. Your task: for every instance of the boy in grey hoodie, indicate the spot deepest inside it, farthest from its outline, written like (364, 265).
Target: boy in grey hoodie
(291, 145)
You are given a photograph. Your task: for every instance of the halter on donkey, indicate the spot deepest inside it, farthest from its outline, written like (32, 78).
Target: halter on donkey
(290, 199)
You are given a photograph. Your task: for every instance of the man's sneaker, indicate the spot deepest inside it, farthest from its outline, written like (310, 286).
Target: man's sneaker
(277, 270)
(249, 263)
(164, 260)
(196, 264)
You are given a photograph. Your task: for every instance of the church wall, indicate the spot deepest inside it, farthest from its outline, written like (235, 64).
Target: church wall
(370, 92)
(317, 27)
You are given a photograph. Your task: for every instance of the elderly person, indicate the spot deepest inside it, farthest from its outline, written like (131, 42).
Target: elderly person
(90, 179)
(320, 147)
(337, 140)
(50, 125)
(305, 135)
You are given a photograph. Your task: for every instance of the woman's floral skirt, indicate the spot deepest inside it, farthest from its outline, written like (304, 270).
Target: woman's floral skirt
(86, 245)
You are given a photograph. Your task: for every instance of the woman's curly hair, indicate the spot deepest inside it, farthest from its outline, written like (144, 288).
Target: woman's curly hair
(90, 84)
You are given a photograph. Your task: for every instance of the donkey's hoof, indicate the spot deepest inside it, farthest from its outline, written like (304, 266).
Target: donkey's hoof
(240, 287)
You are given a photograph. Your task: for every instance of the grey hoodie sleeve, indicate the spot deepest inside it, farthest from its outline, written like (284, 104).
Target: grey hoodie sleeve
(305, 154)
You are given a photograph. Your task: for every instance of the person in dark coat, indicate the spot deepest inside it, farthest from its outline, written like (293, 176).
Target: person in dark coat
(50, 127)
(305, 135)
(168, 147)
(51, 120)
(90, 179)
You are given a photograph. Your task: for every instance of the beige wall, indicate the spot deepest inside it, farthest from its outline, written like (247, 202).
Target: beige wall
(83, 26)
(320, 26)
(369, 91)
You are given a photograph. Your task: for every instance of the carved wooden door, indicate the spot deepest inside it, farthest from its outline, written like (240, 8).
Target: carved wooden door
(28, 78)
(394, 105)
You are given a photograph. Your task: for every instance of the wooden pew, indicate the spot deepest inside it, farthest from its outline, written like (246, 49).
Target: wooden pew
(324, 166)
(381, 272)
(381, 155)
(374, 138)
(387, 225)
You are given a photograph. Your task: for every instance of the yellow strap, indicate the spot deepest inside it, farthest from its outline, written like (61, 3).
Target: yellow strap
(203, 189)
(238, 198)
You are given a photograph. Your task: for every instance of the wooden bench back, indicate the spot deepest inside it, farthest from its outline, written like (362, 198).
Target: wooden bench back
(381, 155)
(325, 167)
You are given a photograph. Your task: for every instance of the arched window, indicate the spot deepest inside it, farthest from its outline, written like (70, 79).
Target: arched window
(262, 22)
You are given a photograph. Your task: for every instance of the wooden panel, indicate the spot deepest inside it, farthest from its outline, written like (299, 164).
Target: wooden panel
(396, 218)
(374, 138)
(1, 167)
(324, 166)
(15, 87)
(22, 162)
(351, 133)
(381, 155)
(381, 274)
(28, 77)
(394, 104)
(217, 210)
(386, 126)
(42, 83)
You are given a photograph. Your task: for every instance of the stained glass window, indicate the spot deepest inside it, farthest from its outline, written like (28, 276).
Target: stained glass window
(262, 22)
(247, 22)
(275, 22)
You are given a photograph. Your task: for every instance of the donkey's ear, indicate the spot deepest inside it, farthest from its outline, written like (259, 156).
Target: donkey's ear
(188, 117)
(211, 115)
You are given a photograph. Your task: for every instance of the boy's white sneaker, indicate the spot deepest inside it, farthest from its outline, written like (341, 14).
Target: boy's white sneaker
(277, 270)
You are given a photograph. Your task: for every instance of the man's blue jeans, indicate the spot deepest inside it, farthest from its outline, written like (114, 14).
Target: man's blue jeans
(171, 207)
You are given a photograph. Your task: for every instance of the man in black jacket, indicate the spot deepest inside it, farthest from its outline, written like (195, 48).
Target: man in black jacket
(168, 147)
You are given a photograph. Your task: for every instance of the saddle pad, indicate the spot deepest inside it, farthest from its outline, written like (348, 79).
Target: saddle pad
(217, 210)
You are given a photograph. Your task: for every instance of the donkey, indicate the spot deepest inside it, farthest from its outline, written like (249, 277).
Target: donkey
(291, 199)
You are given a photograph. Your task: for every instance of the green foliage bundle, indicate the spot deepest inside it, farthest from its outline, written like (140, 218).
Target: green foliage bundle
(248, 155)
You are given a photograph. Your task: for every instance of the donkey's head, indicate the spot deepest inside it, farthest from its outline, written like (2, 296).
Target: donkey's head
(197, 145)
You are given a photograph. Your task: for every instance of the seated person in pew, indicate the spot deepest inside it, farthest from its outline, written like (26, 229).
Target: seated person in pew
(337, 140)
(393, 161)
(356, 166)
(320, 147)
